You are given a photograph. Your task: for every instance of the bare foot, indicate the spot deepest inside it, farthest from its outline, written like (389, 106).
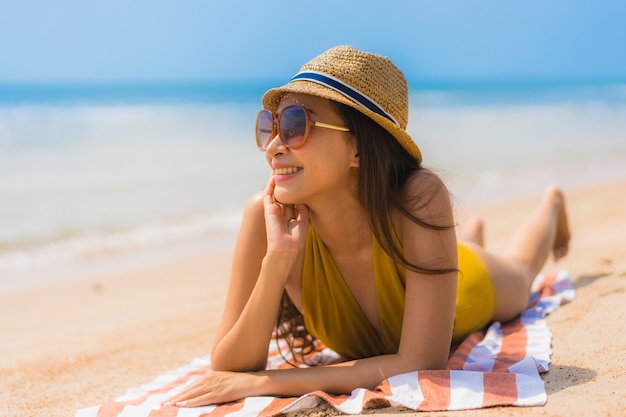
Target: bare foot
(562, 235)
(474, 231)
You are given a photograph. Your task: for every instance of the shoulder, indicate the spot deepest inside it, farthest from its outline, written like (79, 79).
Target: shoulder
(425, 223)
(254, 209)
(252, 227)
(426, 197)
(423, 180)
(254, 205)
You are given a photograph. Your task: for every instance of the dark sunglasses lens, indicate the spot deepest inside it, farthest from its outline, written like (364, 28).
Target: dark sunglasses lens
(264, 128)
(292, 126)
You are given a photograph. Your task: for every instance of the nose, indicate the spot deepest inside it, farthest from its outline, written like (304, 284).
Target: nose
(275, 146)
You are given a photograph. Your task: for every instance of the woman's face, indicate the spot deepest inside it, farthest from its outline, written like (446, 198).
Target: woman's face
(324, 166)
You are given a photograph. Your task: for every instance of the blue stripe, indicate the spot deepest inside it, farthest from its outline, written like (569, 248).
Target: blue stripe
(344, 89)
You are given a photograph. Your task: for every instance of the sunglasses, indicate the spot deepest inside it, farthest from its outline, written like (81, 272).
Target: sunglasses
(293, 124)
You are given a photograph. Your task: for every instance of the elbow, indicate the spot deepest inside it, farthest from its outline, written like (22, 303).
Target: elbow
(415, 363)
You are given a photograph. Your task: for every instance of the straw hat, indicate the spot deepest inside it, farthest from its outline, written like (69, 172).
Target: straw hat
(367, 82)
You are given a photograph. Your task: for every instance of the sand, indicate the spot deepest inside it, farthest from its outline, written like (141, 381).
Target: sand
(81, 342)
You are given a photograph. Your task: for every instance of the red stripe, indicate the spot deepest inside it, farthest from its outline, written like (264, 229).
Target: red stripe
(164, 411)
(513, 350)
(435, 386)
(275, 406)
(110, 409)
(223, 409)
(459, 357)
(548, 281)
(547, 286)
(500, 388)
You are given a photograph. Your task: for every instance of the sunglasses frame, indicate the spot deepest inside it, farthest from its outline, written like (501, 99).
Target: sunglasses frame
(276, 127)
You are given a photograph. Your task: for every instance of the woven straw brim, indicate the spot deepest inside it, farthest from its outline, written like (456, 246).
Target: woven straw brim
(271, 100)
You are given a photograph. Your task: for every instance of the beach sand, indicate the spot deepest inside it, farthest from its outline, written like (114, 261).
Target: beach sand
(79, 343)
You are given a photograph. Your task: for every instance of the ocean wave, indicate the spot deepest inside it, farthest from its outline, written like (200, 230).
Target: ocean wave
(20, 259)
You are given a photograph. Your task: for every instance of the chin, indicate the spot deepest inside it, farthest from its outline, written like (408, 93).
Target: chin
(286, 197)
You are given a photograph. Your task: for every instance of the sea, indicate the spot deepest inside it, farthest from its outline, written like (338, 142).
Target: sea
(99, 176)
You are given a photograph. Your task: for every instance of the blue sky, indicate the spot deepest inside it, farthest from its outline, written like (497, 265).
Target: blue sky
(117, 40)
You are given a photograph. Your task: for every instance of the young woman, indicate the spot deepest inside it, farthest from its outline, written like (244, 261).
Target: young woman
(353, 243)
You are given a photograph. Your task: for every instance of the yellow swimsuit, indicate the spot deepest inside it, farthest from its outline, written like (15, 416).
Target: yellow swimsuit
(332, 314)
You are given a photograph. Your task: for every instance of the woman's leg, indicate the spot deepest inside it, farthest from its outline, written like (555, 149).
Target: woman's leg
(545, 231)
(474, 231)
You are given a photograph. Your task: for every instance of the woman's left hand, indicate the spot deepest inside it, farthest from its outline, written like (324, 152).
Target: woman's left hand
(216, 387)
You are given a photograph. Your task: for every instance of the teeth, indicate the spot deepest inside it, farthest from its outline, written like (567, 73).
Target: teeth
(290, 170)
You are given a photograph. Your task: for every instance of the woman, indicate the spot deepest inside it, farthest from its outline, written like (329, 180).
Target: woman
(358, 239)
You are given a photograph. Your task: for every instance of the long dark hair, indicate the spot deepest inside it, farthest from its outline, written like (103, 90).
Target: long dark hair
(384, 168)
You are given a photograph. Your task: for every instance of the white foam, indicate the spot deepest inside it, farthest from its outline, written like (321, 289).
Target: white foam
(96, 253)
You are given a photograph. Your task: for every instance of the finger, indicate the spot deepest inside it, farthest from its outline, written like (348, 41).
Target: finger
(290, 211)
(204, 399)
(271, 184)
(187, 396)
(268, 197)
(175, 399)
(301, 212)
(300, 224)
(185, 393)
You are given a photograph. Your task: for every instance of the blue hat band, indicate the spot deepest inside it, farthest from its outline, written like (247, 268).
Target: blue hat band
(345, 89)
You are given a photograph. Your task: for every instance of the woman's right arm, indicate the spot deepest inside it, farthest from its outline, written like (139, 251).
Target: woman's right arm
(246, 265)
(258, 277)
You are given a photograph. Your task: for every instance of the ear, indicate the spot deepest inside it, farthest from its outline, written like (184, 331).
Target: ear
(355, 162)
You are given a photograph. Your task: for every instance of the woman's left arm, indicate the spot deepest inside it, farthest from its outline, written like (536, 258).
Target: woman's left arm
(430, 299)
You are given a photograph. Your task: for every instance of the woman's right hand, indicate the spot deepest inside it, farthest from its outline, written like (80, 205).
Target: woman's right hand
(270, 241)
(286, 224)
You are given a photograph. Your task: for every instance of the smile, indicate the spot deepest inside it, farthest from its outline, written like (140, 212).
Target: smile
(289, 170)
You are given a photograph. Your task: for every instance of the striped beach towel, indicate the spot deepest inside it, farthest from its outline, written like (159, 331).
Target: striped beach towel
(500, 366)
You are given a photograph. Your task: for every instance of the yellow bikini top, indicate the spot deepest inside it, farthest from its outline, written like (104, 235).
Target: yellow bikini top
(332, 314)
